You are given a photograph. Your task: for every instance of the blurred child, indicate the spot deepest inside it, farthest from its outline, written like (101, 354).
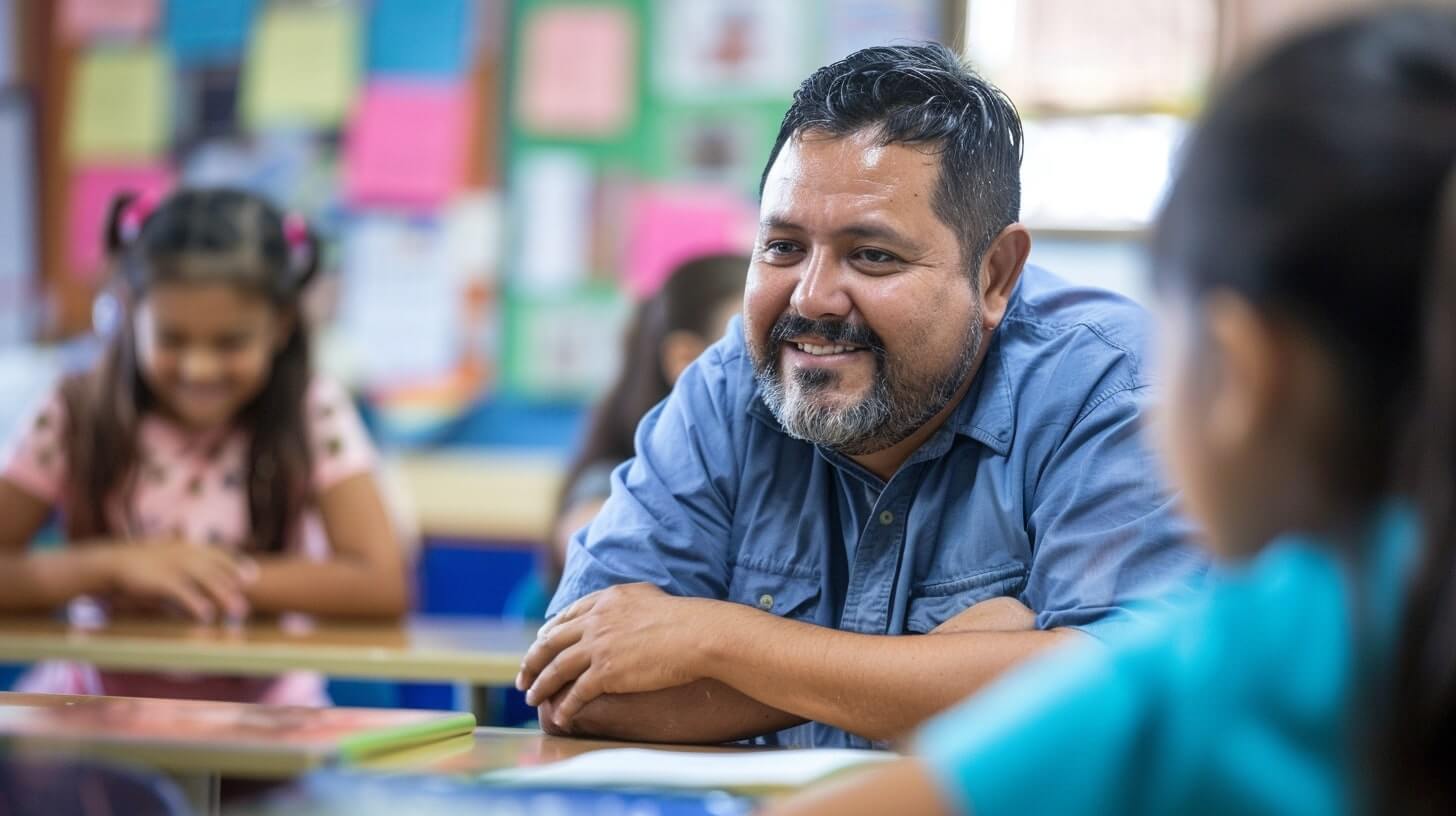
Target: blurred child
(668, 331)
(200, 469)
(1310, 330)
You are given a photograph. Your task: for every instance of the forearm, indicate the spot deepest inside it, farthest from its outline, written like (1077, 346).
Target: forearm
(42, 581)
(342, 587)
(702, 712)
(876, 686)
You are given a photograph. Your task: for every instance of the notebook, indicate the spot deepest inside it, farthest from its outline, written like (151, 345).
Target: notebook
(739, 771)
(242, 739)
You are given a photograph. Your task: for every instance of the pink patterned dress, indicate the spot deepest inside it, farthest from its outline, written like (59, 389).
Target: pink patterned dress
(190, 486)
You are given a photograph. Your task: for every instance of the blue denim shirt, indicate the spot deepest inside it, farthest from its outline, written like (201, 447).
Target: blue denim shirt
(1038, 486)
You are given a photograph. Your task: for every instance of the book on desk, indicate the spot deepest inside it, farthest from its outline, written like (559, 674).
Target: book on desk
(241, 739)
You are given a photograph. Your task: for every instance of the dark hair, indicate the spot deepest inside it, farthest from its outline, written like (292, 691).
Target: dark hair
(686, 302)
(924, 95)
(1313, 189)
(196, 235)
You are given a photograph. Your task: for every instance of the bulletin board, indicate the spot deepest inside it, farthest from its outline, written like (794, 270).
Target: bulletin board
(498, 180)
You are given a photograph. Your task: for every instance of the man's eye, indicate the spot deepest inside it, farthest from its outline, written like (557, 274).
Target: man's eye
(876, 256)
(781, 248)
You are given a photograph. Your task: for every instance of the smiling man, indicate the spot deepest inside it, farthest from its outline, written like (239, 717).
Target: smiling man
(914, 463)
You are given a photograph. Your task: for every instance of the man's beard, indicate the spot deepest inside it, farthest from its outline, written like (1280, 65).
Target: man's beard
(896, 406)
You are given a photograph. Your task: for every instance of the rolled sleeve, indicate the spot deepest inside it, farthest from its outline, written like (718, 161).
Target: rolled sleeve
(669, 517)
(1107, 540)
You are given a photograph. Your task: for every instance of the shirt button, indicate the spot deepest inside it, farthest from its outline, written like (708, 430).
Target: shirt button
(765, 601)
(886, 517)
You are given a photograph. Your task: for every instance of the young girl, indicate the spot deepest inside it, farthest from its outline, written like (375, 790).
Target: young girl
(668, 331)
(1307, 263)
(200, 469)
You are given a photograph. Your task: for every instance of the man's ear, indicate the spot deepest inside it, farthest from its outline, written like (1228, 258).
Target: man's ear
(1250, 360)
(679, 349)
(1001, 267)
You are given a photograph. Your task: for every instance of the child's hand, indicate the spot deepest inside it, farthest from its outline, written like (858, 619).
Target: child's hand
(204, 581)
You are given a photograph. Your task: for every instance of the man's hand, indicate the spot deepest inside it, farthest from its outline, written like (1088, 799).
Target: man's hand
(620, 640)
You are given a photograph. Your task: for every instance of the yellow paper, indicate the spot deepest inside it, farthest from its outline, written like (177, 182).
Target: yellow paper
(120, 105)
(303, 66)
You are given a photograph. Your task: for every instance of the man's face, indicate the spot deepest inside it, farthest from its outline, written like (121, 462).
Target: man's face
(860, 314)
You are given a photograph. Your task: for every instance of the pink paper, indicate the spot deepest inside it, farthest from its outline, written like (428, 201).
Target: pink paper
(578, 72)
(406, 146)
(670, 226)
(87, 19)
(92, 190)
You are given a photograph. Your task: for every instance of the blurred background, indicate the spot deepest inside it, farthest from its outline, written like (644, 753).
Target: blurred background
(499, 180)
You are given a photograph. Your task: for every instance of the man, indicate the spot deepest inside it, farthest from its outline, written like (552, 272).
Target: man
(906, 436)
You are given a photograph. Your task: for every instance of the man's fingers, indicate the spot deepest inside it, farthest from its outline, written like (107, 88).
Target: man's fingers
(567, 666)
(587, 687)
(544, 650)
(582, 606)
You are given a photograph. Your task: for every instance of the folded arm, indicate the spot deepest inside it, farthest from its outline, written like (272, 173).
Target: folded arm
(616, 663)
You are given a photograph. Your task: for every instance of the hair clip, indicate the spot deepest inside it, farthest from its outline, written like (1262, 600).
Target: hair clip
(295, 234)
(134, 214)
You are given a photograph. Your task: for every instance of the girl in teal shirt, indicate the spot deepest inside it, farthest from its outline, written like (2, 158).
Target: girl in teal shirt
(1306, 260)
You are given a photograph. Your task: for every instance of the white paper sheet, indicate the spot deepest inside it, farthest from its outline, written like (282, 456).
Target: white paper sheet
(643, 767)
(554, 208)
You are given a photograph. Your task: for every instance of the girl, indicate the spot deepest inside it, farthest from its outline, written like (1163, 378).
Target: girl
(668, 331)
(1308, 275)
(200, 467)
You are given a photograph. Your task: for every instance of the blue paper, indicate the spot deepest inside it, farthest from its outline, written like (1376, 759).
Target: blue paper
(413, 39)
(208, 32)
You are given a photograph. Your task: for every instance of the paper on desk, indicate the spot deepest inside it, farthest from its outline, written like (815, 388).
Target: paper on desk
(645, 767)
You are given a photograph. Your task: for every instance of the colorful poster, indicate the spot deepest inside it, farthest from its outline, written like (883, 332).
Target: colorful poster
(856, 24)
(408, 38)
(472, 225)
(120, 105)
(92, 190)
(566, 346)
(402, 302)
(303, 66)
(554, 192)
(578, 75)
(406, 145)
(83, 20)
(672, 225)
(208, 32)
(730, 49)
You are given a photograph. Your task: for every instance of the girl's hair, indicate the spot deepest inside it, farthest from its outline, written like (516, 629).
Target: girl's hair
(688, 301)
(1313, 189)
(213, 235)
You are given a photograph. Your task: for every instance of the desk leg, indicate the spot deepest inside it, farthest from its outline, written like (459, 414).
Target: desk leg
(487, 703)
(202, 792)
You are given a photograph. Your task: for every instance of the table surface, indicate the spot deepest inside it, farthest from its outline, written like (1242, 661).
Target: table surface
(477, 651)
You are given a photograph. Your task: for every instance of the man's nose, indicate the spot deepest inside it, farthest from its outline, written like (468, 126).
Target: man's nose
(820, 292)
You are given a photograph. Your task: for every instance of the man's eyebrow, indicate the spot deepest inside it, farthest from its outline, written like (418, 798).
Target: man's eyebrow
(872, 231)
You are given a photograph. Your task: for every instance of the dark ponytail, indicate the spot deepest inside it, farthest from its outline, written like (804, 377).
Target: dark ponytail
(215, 235)
(1421, 776)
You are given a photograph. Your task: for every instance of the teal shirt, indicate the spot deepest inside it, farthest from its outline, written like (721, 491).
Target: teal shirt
(1247, 699)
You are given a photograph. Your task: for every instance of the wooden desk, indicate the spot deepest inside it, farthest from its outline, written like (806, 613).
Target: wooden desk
(471, 652)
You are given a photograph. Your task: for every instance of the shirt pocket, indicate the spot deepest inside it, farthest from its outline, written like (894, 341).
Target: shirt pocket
(936, 602)
(785, 591)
